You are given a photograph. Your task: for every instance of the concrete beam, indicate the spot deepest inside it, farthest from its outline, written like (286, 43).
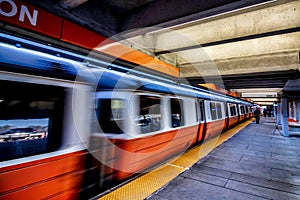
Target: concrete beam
(243, 65)
(273, 53)
(258, 90)
(231, 25)
(263, 99)
(245, 56)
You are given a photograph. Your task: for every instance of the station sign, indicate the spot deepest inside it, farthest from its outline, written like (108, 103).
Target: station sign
(29, 17)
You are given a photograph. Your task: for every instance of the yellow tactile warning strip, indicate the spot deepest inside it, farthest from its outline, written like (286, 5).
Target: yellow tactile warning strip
(147, 184)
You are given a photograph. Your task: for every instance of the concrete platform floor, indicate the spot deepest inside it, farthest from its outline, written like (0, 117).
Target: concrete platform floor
(256, 163)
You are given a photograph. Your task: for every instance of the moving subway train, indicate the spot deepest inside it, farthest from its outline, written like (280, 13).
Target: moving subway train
(69, 130)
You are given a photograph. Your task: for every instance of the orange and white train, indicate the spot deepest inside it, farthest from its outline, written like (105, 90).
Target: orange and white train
(69, 130)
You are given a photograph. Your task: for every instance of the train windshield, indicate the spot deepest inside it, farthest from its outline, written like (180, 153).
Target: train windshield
(110, 113)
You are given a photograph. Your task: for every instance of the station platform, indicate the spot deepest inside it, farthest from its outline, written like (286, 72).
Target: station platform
(250, 161)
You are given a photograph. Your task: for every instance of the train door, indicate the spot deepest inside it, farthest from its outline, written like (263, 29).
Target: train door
(250, 111)
(201, 120)
(246, 112)
(238, 112)
(225, 127)
(242, 112)
(232, 114)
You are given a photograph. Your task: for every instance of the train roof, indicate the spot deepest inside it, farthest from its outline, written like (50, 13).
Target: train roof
(17, 59)
(111, 80)
(21, 60)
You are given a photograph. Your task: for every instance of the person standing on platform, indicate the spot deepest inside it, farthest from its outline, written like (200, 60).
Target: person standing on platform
(265, 112)
(257, 115)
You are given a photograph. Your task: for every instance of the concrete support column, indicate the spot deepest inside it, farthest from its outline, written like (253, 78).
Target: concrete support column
(298, 111)
(278, 113)
(294, 110)
(284, 117)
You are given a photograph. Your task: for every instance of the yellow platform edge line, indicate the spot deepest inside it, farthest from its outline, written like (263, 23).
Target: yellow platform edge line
(147, 184)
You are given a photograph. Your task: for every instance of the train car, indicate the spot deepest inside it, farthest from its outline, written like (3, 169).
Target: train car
(143, 122)
(69, 130)
(44, 125)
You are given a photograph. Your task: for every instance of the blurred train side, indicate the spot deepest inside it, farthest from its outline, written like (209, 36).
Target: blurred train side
(35, 86)
(159, 120)
(103, 126)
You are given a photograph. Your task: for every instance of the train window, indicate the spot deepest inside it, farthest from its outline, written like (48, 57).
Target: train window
(249, 109)
(110, 113)
(176, 112)
(219, 110)
(215, 110)
(30, 119)
(197, 111)
(242, 109)
(246, 109)
(202, 110)
(226, 110)
(149, 117)
(232, 109)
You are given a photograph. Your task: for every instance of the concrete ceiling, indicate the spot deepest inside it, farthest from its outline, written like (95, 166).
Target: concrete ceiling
(234, 44)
